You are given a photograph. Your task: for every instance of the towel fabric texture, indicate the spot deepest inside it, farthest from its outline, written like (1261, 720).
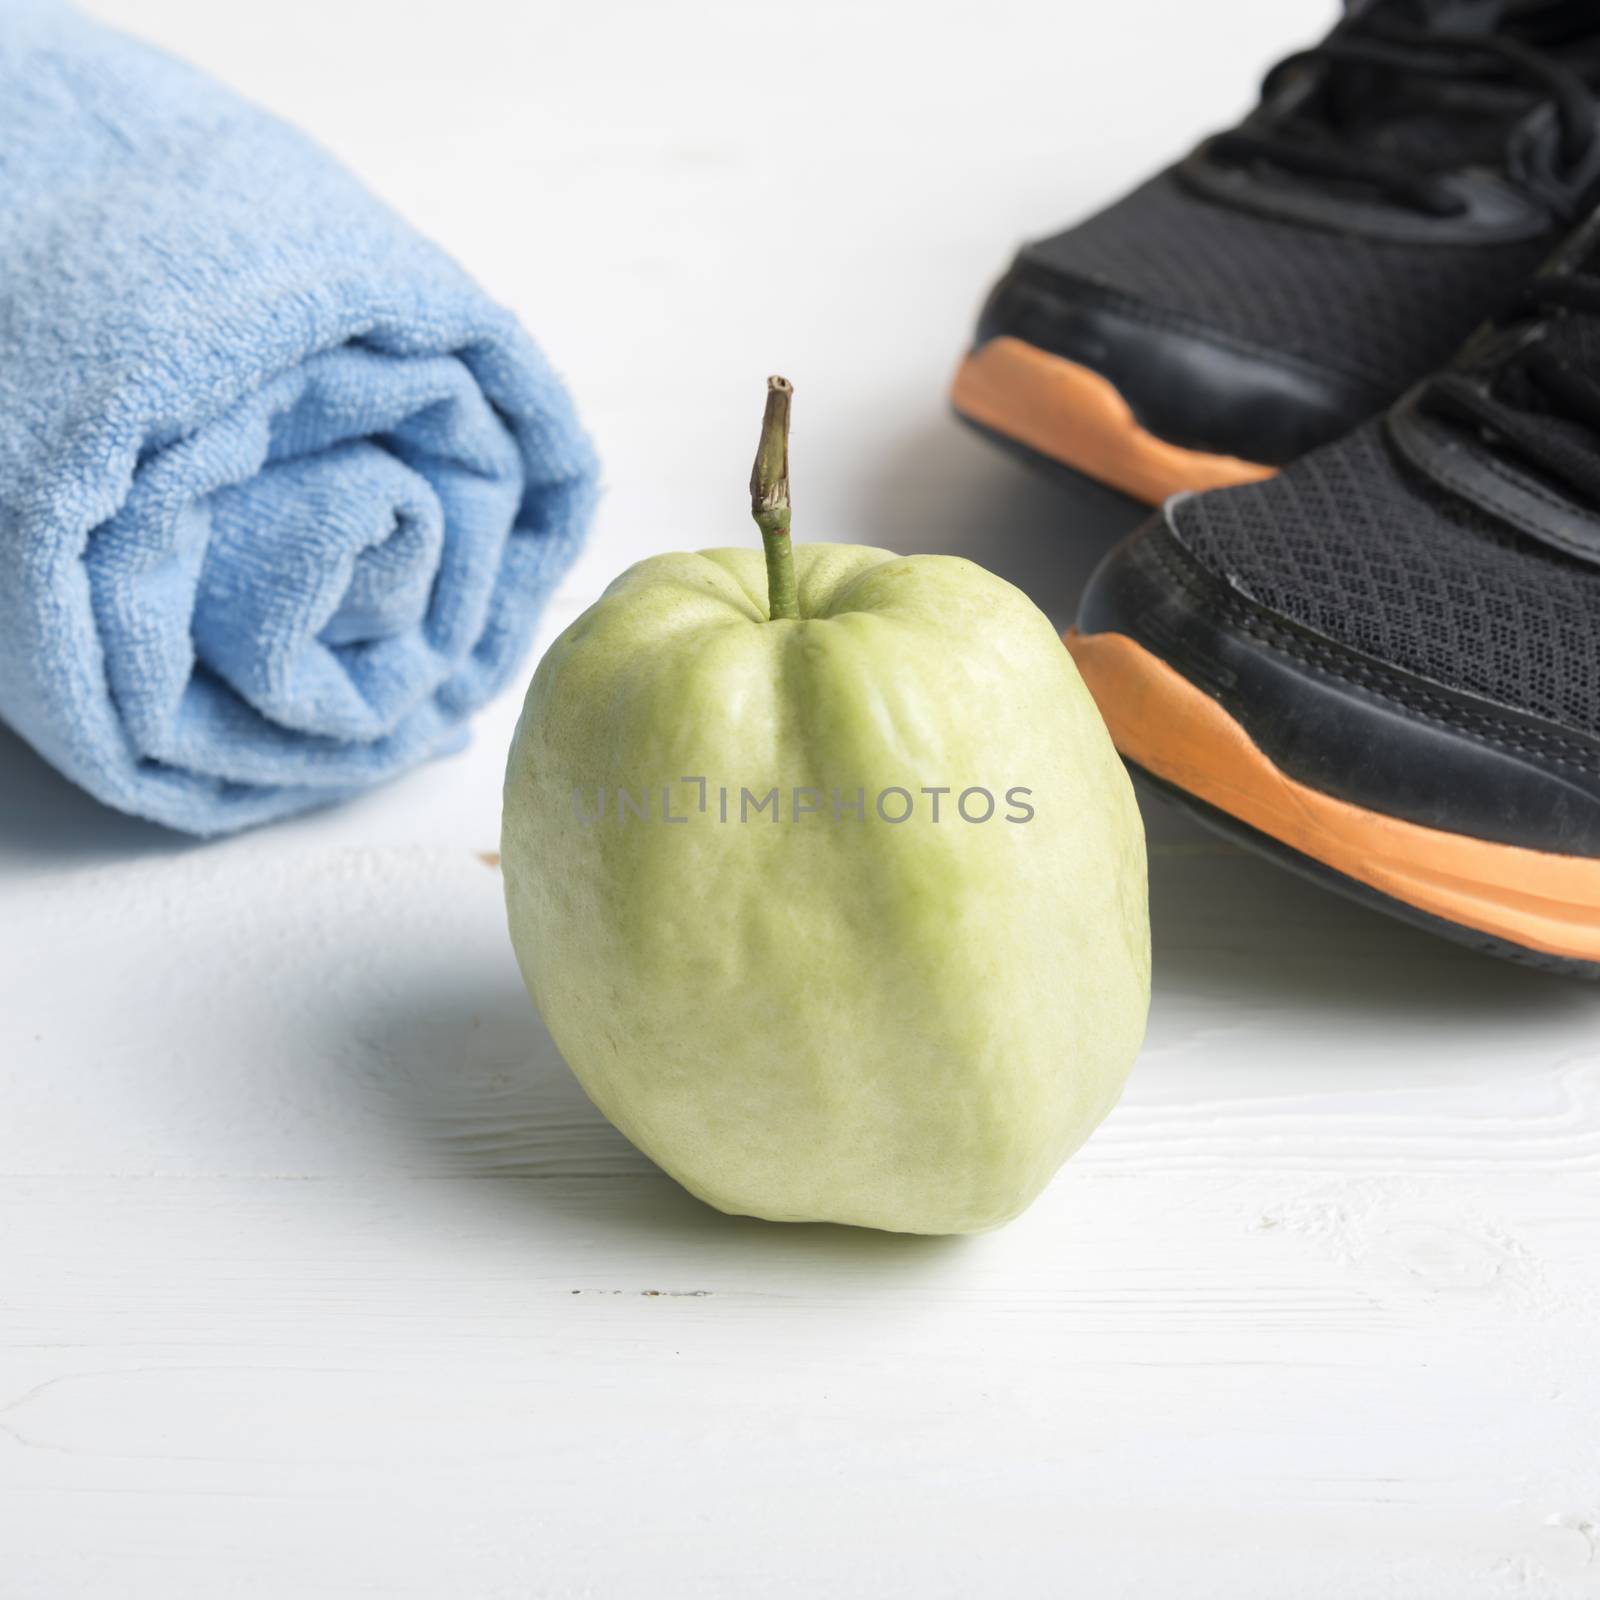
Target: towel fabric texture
(281, 490)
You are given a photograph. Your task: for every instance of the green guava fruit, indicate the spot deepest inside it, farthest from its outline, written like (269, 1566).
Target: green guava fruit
(834, 901)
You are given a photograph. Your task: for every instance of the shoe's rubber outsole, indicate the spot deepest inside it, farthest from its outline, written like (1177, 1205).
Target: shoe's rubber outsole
(1073, 415)
(1545, 907)
(1219, 822)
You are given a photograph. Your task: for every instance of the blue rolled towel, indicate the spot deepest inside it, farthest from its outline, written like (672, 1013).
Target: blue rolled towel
(281, 491)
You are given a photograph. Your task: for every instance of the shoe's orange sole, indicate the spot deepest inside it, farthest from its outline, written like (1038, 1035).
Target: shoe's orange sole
(1075, 416)
(1163, 723)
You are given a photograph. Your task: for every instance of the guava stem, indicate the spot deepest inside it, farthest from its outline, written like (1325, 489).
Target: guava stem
(769, 500)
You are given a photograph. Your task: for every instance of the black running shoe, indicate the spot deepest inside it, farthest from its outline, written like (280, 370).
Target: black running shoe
(1383, 665)
(1293, 276)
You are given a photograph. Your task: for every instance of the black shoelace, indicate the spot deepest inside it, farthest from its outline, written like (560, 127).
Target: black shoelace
(1542, 401)
(1405, 53)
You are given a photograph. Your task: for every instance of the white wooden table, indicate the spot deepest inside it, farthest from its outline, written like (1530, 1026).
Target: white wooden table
(319, 1276)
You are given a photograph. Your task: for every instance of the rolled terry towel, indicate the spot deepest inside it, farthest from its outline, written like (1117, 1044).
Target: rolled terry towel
(281, 491)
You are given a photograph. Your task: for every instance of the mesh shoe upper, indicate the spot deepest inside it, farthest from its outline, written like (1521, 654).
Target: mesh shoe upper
(1350, 543)
(1345, 222)
(1378, 310)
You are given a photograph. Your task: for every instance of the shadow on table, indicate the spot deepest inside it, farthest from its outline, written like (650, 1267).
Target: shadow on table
(45, 819)
(471, 1085)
